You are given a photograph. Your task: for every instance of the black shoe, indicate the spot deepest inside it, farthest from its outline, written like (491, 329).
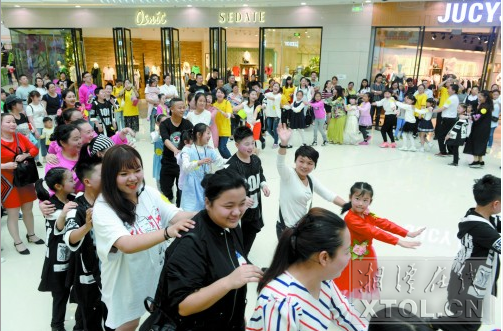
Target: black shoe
(25, 252)
(38, 242)
(482, 163)
(58, 329)
(453, 164)
(474, 164)
(324, 143)
(315, 143)
(289, 146)
(40, 165)
(263, 144)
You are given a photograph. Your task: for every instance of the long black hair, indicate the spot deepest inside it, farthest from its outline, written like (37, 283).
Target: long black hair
(359, 188)
(118, 158)
(339, 94)
(319, 230)
(66, 116)
(52, 177)
(63, 133)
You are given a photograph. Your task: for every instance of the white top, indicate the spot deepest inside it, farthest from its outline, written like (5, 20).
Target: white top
(169, 90)
(273, 108)
(250, 119)
(451, 104)
(295, 197)
(285, 304)
(388, 105)
(204, 117)
(496, 111)
(409, 111)
(109, 73)
(42, 91)
(38, 113)
(427, 112)
(128, 279)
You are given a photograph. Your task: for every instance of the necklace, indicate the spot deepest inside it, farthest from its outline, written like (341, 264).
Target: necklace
(199, 157)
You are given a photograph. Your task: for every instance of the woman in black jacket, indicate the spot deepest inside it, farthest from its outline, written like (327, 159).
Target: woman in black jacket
(206, 271)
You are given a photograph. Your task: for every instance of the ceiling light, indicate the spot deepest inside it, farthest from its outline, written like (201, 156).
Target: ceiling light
(245, 5)
(77, 6)
(368, 1)
(486, 40)
(302, 3)
(479, 38)
(17, 6)
(189, 6)
(433, 36)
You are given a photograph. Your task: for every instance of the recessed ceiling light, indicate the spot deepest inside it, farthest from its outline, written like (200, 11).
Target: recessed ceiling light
(17, 6)
(189, 6)
(245, 5)
(368, 1)
(77, 6)
(303, 3)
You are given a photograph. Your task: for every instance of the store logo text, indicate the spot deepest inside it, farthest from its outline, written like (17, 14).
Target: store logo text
(247, 17)
(470, 12)
(158, 18)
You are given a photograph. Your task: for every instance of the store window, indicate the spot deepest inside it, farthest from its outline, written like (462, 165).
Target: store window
(289, 52)
(396, 52)
(48, 51)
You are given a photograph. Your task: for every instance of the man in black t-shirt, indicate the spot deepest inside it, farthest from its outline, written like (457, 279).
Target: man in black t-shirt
(199, 86)
(67, 83)
(102, 114)
(249, 166)
(212, 82)
(171, 132)
(191, 81)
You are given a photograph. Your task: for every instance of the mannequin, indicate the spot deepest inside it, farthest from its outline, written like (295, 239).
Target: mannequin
(297, 77)
(109, 73)
(96, 73)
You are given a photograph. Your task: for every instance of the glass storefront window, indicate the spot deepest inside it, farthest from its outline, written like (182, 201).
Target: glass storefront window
(395, 51)
(290, 52)
(46, 51)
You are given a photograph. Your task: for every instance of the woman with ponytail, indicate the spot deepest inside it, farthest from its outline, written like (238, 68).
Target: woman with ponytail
(364, 227)
(296, 291)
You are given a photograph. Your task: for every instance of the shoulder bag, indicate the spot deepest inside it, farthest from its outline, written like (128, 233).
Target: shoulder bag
(26, 172)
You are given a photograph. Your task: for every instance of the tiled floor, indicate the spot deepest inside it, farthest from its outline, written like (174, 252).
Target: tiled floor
(411, 189)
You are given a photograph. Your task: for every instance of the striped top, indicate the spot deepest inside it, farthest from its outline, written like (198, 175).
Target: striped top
(286, 305)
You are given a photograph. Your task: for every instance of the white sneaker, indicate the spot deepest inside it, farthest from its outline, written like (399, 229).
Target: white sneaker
(403, 148)
(421, 149)
(412, 149)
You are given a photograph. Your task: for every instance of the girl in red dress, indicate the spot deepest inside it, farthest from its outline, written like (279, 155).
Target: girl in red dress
(357, 280)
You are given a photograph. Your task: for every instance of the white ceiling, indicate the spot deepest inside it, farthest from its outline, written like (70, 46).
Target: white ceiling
(182, 3)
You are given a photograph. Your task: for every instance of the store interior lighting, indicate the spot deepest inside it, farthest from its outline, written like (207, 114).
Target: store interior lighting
(433, 36)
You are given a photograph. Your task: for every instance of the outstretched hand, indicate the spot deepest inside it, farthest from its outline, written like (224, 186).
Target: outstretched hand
(284, 133)
(414, 234)
(408, 244)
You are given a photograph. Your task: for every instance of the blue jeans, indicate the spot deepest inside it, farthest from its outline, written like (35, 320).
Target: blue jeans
(491, 136)
(222, 147)
(399, 124)
(119, 118)
(272, 125)
(43, 147)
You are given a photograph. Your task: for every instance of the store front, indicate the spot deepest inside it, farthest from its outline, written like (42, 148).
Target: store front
(427, 40)
(265, 42)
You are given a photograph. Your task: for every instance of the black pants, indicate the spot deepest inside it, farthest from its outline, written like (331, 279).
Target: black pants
(280, 227)
(285, 116)
(92, 309)
(249, 235)
(454, 149)
(168, 178)
(59, 301)
(437, 125)
(375, 110)
(387, 127)
(363, 130)
(235, 123)
(445, 126)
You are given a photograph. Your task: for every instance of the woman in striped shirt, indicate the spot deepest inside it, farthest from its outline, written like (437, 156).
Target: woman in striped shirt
(296, 292)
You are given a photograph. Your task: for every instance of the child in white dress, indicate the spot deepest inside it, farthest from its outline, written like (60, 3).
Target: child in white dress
(352, 134)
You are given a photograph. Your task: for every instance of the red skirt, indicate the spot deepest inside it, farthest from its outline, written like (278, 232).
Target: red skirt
(358, 280)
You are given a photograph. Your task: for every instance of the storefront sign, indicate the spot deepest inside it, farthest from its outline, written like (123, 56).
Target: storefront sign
(473, 12)
(245, 17)
(143, 19)
(292, 43)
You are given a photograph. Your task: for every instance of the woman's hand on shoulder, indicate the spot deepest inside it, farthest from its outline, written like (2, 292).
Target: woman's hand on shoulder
(52, 159)
(183, 225)
(243, 275)
(46, 207)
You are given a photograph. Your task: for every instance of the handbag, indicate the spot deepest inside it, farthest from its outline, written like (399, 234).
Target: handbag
(134, 99)
(26, 172)
(495, 119)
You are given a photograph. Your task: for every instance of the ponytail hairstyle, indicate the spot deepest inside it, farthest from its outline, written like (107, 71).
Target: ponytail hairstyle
(219, 182)
(32, 94)
(185, 138)
(360, 189)
(63, 133)
(52, 177)
(66, 116)
(319, 230)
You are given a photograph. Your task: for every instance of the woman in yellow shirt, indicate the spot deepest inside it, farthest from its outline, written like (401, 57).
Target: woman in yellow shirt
(421, 98)
(130, 109)
(223, 122)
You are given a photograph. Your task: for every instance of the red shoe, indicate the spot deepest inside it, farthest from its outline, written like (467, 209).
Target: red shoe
(363, 143)
(384, 145)
(392, 145)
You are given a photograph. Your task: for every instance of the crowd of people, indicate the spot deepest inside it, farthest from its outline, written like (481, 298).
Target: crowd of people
(113, 241)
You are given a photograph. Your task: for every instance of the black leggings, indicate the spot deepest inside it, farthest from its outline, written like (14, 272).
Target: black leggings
(375, 110)
(387, 127)
(363, 130)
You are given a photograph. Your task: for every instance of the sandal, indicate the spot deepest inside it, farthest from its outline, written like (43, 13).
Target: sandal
(38, 242)
(24, 252)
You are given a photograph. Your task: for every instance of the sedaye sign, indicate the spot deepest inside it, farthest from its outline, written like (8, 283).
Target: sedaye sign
(471, 12)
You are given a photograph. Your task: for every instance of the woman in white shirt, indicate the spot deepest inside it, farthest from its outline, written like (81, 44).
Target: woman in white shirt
(273, 111)
(36, 113)
(297, 291)
(296, 186)
(131, 223)
(39, 85)
(251, 111)
(168, 90)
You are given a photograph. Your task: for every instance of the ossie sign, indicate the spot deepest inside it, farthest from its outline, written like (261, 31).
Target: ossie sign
(471, 12)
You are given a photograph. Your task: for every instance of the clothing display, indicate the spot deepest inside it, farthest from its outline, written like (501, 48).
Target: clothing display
(96, 73)
(109, 73)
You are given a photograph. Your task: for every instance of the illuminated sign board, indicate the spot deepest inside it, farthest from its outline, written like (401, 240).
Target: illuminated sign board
(472, 12)
(143, 19)
(242, 17)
